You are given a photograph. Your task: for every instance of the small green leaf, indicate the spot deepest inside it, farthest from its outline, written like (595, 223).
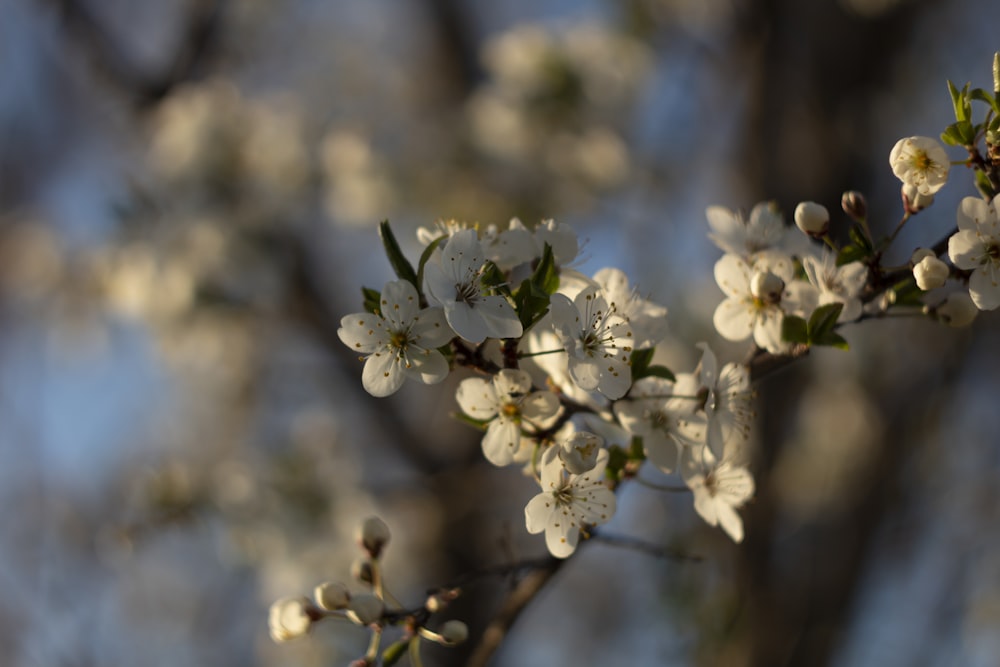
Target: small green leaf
(658, 371)
(794, 330)
(983, 96)
(402, 267)
(823, 320)
(493, 278)
(956, 102)
(984, 186)
(951, 135)
(395, 651)
(860, 238)
(833, 339)
(640, 361)
(371, 299)
(546, 276)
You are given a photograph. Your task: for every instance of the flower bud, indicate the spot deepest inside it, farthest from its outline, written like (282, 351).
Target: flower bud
(767, 287)
(373, 535)
(919, 254)
(288, 619)
(854, 205)
(930, 273)
(579, 453)
(365, 609)
(332, 595)
(913, 200)
(454, 632)
(812, 218)
(958, 310)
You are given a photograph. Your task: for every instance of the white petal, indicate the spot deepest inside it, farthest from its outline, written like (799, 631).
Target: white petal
(972, 213)
(499, 317)
(661, 451)
(429, 366)
(734, 319)
(965, 249)
(383, 374)
(767, 331)
(467, 322)
(616, 377)
(537, 511)
(363, 332)
(477, 398)
(502, 439)
(399, 303)
(984, 287)
(511, 382)
(430, 328)
(730, 522)
(586, 373)
(733, 276)
(561, 535)
(704, 505)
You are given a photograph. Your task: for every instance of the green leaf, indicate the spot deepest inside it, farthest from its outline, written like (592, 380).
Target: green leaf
(860, 238)
(640, 361)
(531, 300)
(395, 651)
(402, 267)
(658, 371)
(952, 136)
(823, 320)
(794, 330)
(833, 339)
(493, 278)
(372, 300)
(983, 96)
(960, 102)
(546, 276)
(984, 186)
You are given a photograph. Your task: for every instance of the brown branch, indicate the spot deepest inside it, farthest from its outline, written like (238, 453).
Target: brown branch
(516, 602)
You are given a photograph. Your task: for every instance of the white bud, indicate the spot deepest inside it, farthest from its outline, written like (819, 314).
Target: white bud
(767, 287)
(454, 632)
(579, 453)
(288, 619)
(930, 273)
(812, 218)
(919, 254)
(365, 609)
(373, 535)
(958, 310)
(332, 595)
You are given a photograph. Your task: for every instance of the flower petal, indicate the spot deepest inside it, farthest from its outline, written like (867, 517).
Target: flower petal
(383, 374)
(734, 319)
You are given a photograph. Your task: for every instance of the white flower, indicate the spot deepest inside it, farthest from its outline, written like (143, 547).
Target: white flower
(837, 284)
(930, 273)
(976, 247)
(727, 403)
(568, 503)
(719, 488)
(400, 343)
(288, 618)
(512, 408)
(921, 162)
(597, 339)
(757, 300)
(454, 282)
(764, 230)
(648, 320)
(561, 238)
(665, 422)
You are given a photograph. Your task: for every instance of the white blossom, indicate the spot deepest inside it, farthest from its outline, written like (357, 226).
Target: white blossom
(728, 411)
(401, 342)
(664, 415)
(512, 409)
(454, 282)
(920, 162)
(719, 488)
(757, 300)
(765, 229)
(568, 503)
(648, 320)
(837, 284)
(976, 247)
(597, 339)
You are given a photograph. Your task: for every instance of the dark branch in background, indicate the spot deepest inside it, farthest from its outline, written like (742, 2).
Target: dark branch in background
(197, 38)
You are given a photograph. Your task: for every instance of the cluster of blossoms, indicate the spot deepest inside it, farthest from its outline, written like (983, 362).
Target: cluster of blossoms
(292, 617)
(565, 373)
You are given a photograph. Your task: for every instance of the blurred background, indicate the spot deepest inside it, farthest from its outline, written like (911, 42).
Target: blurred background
(189, 195)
